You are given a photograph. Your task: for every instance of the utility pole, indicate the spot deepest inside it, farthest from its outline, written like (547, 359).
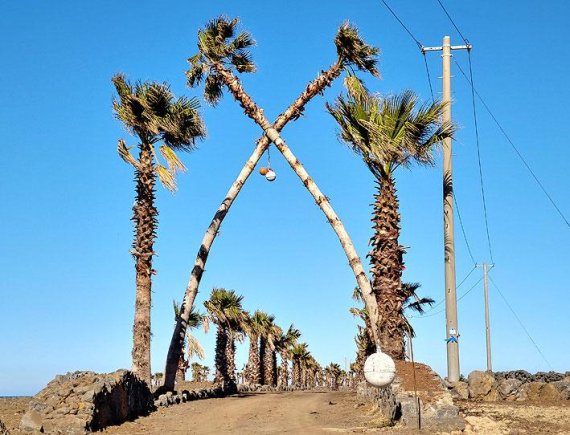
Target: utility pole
(486, 269)
(451, 327)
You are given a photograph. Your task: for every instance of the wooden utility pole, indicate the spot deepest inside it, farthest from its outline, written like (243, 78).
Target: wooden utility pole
(451, 327)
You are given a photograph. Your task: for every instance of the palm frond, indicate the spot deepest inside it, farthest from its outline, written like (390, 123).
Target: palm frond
(124, 153)
(353, 51)
(213, 89)
(166, 177)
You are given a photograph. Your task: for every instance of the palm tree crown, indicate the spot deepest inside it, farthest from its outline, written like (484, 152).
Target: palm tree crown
(150, 111)
(389, 132)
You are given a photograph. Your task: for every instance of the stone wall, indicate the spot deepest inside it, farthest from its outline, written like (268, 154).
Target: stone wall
(519, 385)
(81, 402)
(430, 408)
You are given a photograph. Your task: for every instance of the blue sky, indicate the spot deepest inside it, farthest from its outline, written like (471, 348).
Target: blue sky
(67, 288)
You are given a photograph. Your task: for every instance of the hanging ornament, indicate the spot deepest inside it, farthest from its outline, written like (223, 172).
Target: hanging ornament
(270, 175)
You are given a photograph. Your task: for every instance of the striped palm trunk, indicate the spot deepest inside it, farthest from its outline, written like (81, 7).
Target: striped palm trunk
(293, 112)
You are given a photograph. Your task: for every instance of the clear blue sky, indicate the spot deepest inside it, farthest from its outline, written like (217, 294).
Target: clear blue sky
(67, 287)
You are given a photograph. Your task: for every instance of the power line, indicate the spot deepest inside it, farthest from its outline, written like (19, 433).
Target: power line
(520, 323)
(479, 157)
(463, 231)
(458, 299)
(428, 77)
(453, 22)
(514, 146)
(418, 43)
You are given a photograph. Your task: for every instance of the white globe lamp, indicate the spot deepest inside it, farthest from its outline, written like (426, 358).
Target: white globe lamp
(270, 175)
(379, 369)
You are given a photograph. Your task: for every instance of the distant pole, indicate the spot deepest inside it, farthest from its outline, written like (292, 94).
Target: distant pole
(487, 321)
(451, 324)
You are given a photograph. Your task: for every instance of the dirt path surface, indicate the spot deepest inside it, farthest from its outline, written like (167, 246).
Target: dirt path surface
(291, 412)
(314, 413)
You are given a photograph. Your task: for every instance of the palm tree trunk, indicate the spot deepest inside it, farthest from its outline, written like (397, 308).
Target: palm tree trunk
(144, 217)
(255, 113)
(284, 372)
(230, 384)
(293, 112)
(220, 358)
(386, 259)
(253, 372)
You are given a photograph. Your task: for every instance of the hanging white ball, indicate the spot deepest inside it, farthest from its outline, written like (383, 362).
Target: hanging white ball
(379, 369)
(271, 175)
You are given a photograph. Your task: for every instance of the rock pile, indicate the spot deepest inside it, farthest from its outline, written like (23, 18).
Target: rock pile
(516, 385)
(399, 405)
(81, 402)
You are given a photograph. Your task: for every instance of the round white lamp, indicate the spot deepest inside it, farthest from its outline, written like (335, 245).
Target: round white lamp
(379, 369)
(271, 175)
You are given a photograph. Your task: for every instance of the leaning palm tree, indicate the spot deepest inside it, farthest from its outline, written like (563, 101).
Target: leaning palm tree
(388, 133)
(216, 55)
(163, 125)
(283, 344)
(225, 309)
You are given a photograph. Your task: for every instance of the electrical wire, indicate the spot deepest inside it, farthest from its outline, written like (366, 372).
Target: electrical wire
(479, 158)
(463, 232)
(418, 43)
(453, 22)
(428, 77)
(520, 323)
(423, 316)
(518, 153)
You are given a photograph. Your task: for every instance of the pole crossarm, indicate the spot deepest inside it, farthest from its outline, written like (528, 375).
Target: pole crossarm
(452, 47)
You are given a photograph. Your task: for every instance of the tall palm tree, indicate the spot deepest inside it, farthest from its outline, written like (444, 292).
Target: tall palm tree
(388, 133)
(257, 324)
(299, 355)
(214, 49)
(163, 125)
(283, 344)
(267, 352)
(225, 309)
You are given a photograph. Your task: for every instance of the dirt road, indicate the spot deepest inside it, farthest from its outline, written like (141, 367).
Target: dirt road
(292, 412)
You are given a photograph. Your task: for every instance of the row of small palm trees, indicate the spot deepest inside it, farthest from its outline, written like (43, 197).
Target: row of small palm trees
(386, 133)
(266, 341)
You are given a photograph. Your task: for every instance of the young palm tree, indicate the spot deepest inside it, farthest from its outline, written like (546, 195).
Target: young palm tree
(192, 345)
(199, 372)
(388, 133)
(215, 54)
(163, 125)
(333, 372)
(225, 309)
(283, 344)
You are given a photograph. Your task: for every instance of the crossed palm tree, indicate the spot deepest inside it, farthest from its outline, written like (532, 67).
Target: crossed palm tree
(220, 53)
